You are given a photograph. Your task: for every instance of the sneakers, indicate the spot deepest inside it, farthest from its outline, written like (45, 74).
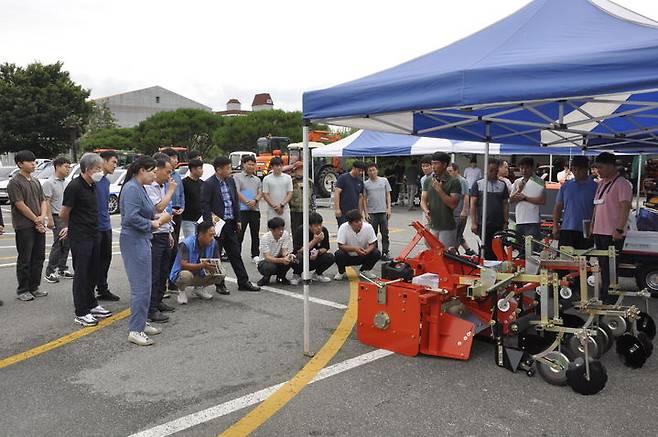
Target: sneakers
(100, 313)
(282, 281)
(139, 338)
(295, 280)
(151, 330)
(201, 293)
(339, 276)
(65, 274)
(255, 259)
(167, 294)
(263, 281)
(182, 297)
(87, 320)
(158, 317)
(27, 296)
(368, 274)
(320, 278)
(39, 293)
(52, 278)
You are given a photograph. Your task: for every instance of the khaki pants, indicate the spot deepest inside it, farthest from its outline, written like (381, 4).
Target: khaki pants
(188, 279)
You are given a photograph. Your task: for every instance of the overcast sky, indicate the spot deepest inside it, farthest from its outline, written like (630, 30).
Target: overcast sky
(211, 51)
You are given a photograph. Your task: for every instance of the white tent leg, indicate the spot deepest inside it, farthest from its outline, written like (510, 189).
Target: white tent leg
(305, 274)
(639, 186)
(483, 224)
(550, 168)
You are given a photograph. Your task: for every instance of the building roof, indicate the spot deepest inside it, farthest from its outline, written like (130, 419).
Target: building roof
(262, 99)
(157, 88)
(233, 101)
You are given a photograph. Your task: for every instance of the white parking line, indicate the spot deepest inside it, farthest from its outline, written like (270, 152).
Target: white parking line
(234, 405)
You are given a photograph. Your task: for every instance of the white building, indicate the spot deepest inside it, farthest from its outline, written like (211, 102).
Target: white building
(132, 107)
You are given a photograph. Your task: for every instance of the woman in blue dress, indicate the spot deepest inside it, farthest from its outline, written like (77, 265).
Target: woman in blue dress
(137, 223)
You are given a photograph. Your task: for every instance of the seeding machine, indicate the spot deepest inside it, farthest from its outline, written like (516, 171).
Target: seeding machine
(539, 305)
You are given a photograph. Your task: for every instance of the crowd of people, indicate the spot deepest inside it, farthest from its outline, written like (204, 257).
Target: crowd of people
(156, 204)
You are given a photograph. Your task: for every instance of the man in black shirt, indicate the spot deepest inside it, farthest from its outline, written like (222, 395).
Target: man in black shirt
(320, 256)
(192, 190)
(80, 213)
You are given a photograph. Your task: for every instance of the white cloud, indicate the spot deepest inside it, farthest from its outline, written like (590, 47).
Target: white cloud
(211, 51)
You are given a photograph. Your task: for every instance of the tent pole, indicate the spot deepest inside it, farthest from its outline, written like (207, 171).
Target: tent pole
(550, 168)
(452, 157)
(305, 215)
(483, 224)
(639, 186)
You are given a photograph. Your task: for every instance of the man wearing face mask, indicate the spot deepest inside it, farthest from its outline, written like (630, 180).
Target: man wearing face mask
(80, 213)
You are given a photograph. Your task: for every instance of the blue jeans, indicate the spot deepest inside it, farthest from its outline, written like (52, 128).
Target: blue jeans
(136, 254)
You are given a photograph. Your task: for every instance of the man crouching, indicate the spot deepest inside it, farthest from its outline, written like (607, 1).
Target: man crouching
(191, 268)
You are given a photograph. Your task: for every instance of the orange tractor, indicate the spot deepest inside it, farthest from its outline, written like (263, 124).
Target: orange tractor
(325, 170)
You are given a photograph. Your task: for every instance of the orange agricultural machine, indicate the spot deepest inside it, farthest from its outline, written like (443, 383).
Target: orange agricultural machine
(437, 302)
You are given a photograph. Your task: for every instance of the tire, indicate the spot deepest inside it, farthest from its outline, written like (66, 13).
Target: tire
(327, 178)
(113, 204)
(647, 277)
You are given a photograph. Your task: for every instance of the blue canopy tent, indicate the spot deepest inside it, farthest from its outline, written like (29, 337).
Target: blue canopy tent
(578, 73)
(373, 143)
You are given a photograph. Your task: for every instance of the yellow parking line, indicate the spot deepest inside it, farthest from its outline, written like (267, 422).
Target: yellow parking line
(289, 390)
(62, 341)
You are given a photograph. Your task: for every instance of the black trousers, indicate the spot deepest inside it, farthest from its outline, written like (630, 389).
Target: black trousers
(268, 269)
(104, 261)
(177, 221)
(367, 262)
(251, 219)
(85, 254)
(574, 239)
(159, 268)
(319, 264)
(602, 242)
(296, 220)
(229, 240)
(488, 248)
(59, 251)
(31, 248)
(379, 222)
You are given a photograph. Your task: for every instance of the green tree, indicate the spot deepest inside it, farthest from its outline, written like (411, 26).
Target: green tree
(41, 109)
(241, 133)
(191, 128)
(109, 138)
(100, 118)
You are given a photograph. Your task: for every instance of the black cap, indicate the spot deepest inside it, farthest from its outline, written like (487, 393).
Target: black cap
(606, 158)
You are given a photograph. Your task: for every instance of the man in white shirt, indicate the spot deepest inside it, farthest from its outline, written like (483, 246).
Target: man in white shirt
(528, 194)
(357, 246)
(276, 253)
(277, 192)
(472, 173)
(565, 175)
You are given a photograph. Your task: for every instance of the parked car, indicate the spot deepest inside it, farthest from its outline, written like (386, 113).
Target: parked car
(6, 172)
(4, 197)
(116, 180)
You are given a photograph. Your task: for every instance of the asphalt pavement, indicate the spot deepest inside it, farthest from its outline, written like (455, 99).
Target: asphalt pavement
(214, 358)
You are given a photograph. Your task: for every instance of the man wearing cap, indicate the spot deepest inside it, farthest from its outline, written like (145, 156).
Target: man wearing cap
(297, 199)
(575, 205)
(440, 197)
(612, 203)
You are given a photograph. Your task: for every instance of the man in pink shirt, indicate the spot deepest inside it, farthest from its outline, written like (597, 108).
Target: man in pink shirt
(612, 203)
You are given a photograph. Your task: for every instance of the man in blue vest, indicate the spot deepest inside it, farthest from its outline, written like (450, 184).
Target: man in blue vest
(190, 268)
